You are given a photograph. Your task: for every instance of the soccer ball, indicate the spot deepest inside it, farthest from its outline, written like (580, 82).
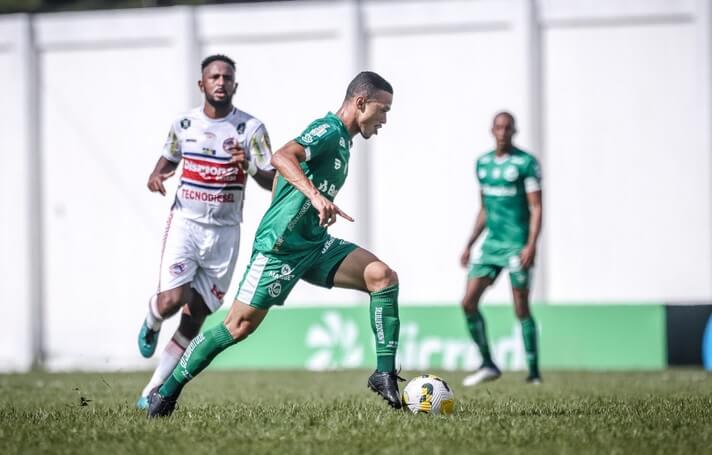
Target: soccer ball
(428, 394)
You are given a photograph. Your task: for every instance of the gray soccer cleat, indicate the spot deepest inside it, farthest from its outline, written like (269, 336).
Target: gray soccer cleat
(483, 374)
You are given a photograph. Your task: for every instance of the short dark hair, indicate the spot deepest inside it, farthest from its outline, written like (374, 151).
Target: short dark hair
(367, 82)
(216, 58)
(506, 114)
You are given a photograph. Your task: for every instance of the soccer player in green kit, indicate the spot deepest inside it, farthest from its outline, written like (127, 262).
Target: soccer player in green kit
(292, 243)
(511, 211)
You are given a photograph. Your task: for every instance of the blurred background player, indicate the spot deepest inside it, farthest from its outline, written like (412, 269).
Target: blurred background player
(511, 212)
(219, 145)
(292, 243)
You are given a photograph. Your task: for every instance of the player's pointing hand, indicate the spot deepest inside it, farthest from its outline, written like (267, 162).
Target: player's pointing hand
(327, 211)
(155, 181)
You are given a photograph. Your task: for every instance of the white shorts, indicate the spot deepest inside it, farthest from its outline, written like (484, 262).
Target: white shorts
(199, 254)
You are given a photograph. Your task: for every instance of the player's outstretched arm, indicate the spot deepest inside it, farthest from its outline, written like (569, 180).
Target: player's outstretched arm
(535, 215)
(479, 227)
(286, 160)
(163, 170)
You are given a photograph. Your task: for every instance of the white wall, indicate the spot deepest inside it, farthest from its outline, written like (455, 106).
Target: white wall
(17, 276)
(627, 157)
(619, 114)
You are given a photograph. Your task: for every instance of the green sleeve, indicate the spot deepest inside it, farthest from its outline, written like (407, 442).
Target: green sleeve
(318, 138)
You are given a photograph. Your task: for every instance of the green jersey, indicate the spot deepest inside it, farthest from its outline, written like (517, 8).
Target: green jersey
(291, 223)
(505, 182)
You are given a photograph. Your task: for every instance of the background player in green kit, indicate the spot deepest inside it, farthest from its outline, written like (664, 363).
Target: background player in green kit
(510, 190)
(292, 243)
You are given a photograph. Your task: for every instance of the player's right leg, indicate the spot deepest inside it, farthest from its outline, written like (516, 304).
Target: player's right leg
(480, 278)
(161, 306)
(179, 264)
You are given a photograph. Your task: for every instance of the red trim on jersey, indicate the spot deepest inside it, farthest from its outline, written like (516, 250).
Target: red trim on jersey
(163, 250)
(213, 173)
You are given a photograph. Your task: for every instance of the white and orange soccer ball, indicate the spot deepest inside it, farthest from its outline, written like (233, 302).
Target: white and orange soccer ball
(428, 394)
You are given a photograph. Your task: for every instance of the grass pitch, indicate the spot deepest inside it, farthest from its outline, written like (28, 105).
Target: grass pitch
(302, 412)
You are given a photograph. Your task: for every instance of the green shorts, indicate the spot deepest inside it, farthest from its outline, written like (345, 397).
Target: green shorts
(270, 278)
(490, 266)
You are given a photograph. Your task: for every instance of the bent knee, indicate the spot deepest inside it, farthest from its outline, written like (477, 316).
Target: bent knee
(379, 276)
(169, 303)
(240, 328)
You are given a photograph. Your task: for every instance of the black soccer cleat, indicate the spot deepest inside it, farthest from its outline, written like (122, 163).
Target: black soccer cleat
(160, 406)
(386, 385)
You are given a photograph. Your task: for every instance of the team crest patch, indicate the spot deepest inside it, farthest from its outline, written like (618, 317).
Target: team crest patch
(342, 142)
(228, 143)
(511, 173)
(240, 128)
(274, 289)
(178, 268)
(185, 123)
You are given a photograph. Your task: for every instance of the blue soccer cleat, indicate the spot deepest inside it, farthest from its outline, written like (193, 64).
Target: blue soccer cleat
(147, 340)
(142, 403)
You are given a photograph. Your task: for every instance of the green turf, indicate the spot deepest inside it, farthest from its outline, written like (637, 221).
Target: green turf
(300, 412)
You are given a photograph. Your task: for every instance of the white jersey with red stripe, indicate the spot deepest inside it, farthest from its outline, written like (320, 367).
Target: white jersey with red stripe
(211, 191)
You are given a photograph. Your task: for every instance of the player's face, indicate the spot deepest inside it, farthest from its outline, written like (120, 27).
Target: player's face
(503, 130)
(372, 112)
(218, 84)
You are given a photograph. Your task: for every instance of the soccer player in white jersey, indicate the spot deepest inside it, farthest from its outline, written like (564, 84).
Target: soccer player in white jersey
(219, 145)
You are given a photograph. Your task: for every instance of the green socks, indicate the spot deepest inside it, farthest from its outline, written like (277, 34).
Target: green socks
(386, 326)
(200, 352)
(478, 332)
(530, 345)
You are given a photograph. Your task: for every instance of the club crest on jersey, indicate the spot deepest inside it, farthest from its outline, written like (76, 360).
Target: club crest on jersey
(227, 143)
(185, 123)
(177, 268)
(342, 142)
(511, 173)
(240, 128)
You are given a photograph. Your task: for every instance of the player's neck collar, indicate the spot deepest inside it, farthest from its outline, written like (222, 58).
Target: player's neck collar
(201, 111)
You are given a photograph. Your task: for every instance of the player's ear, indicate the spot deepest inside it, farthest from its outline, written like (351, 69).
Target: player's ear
(361, 103)
(200, 86)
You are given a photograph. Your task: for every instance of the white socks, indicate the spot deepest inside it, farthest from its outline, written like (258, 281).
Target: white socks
(153, 318)
(167, 362)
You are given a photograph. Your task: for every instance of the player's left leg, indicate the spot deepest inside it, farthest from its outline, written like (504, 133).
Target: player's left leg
(193, 315)
(241, 321)
(520, 293)
(363, 271)
(267, 281)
